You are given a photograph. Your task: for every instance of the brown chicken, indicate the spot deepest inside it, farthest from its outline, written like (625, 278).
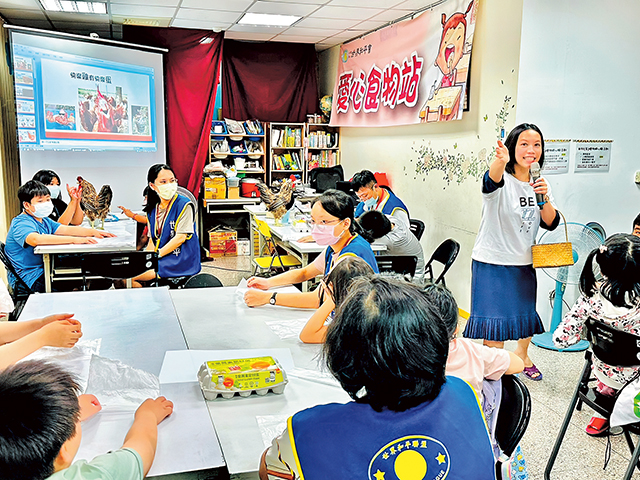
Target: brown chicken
(95, 206)
(277, 203)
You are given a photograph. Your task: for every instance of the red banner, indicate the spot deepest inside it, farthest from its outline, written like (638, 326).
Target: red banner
(410, 72)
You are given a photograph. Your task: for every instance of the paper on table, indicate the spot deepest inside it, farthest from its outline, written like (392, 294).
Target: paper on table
(75, 360)
(287, 328)
(180, 366)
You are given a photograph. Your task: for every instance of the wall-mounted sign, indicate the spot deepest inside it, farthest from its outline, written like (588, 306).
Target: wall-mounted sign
(592, 155)
(556, 157)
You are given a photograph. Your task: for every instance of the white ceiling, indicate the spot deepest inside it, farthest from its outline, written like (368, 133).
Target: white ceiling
(324, 22)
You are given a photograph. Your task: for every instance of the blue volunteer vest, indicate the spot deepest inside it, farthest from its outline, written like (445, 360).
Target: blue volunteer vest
(356, 247)
(444, 438)
(388, 205)
(184, 260)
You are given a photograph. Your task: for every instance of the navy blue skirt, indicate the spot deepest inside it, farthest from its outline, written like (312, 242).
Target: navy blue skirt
(503, 302)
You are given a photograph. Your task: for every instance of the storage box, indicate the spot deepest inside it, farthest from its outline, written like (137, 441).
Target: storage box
(215, 187)
(223, 242)
(233, 192)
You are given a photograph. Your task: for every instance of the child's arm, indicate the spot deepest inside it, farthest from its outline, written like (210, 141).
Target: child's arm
(75, 231)
(315, 330)
(143, 434)
(60, 333)
(35, 239)
(516, 365)
(570, 329)
(11, 331)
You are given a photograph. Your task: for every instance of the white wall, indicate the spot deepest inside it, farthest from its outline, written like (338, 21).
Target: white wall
(578, 74)
(449, 210)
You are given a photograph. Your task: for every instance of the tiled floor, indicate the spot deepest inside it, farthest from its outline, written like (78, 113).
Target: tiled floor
(581, 457)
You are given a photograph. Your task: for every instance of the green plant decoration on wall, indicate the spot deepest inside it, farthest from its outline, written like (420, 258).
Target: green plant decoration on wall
(457, 167)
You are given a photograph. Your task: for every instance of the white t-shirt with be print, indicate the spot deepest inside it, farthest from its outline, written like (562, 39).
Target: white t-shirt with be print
(510, 222)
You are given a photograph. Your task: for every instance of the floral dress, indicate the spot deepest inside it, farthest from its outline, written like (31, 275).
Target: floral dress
(599, 308)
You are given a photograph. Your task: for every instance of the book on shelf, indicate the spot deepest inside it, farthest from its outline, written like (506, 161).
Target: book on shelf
(286, 137)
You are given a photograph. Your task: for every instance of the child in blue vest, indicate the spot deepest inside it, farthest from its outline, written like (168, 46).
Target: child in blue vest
(388, 348)
(170, 217)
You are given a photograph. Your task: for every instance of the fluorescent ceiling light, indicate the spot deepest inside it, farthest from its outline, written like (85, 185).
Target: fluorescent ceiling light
(266, 19)
(73, 6)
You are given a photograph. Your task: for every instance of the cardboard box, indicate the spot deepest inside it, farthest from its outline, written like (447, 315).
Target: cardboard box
(233, 192)
(215, 187)
(223, 242)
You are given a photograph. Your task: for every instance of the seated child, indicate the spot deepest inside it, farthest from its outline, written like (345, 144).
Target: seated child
(332, 291)
(394, 234)
(42, 435)
(33, 227)
(19, 339)
(387, 347)
(614, 300)
(469, 360)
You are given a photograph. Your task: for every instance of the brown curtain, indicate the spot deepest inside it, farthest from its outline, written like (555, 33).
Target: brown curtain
(273, 82)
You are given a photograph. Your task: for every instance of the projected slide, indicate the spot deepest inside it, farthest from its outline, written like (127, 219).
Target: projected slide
(69, 102)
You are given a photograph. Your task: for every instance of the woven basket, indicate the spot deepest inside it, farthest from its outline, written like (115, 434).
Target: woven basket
(549, 255)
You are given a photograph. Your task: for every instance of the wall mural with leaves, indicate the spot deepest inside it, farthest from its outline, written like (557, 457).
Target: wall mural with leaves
(456, 166)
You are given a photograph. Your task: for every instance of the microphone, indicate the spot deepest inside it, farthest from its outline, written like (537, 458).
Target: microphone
(535, 175)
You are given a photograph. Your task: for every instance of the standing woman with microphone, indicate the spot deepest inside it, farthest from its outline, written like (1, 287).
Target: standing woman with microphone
(503, 282)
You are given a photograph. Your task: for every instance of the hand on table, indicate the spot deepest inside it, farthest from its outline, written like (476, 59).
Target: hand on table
(55, 317)
(256, 298)
(61, 333)
(161, 408)
(306, 239)
(101, 234)
(89, 406)
(258, 282)
(83, 240)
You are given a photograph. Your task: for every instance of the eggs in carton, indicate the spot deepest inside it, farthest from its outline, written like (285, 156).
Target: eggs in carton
(242, 376)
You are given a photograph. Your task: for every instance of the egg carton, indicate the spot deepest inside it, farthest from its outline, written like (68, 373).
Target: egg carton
(243, 377)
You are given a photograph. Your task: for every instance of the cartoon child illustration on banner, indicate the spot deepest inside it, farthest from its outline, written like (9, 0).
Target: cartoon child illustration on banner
(444, 102)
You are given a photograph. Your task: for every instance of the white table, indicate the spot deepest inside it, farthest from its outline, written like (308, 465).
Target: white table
(124, 241)
(137, 327)
(233, 325)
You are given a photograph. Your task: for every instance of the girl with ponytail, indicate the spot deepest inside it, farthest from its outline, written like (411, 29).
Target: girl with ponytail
(610, 287)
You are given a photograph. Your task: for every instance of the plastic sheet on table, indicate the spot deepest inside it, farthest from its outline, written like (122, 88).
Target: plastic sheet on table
(271, 426)
(318, 376)
(75, 360)
(287, 328)
(119, 386)
(241, 289)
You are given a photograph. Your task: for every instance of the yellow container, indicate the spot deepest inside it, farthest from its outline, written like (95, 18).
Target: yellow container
(215, 188)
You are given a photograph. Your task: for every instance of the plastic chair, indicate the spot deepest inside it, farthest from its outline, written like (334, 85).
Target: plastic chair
(203, 280)
(117, 265)
(514, 414)
(19, 300)
(275, 261)
(417, 227)
(616, 348)
(402, 264)
(192, 198)
(445, 254)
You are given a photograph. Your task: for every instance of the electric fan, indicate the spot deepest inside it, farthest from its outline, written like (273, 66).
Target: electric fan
(583, 239)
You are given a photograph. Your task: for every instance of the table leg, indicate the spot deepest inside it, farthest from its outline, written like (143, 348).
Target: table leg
(305, 262)
(46, 258)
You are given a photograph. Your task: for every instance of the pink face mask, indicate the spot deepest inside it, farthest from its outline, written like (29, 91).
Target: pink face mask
(323, 235)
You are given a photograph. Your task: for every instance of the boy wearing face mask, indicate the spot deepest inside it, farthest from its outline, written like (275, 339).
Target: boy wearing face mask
(33, 227)
(374, 197)
(63, 213)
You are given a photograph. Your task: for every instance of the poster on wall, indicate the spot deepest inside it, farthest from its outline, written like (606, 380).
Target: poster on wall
(556, 157)
(593, 156)
(413, 71)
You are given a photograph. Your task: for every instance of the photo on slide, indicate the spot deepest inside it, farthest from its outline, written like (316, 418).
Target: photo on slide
(24, 106)
(26, 136)
(60, 117)
(140, 116)
(23, 63)
(26, 121)
(24, 78)
(24, 92)
(103, 111)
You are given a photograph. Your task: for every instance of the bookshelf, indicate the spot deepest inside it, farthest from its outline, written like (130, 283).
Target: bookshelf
(246, 150)
(286, 151)
(322, 146)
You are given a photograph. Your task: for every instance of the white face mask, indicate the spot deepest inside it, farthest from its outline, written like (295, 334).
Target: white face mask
(167, 191)
(43, 209)
(54, 190)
